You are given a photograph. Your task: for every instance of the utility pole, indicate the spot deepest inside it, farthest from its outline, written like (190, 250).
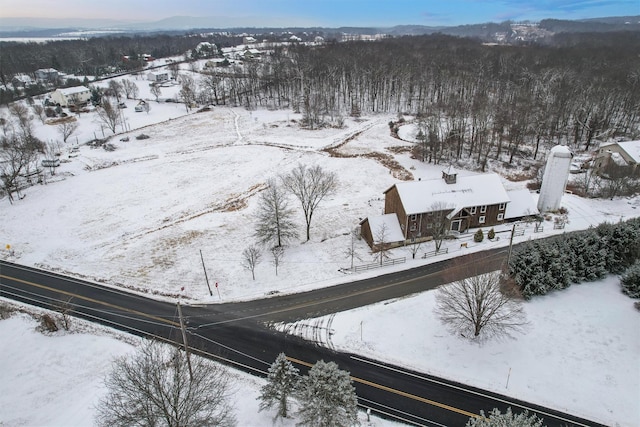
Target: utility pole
(184, 340)
(205, 274)
(513, 230)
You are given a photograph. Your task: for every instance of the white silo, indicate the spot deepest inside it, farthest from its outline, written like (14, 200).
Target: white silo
(554, 180)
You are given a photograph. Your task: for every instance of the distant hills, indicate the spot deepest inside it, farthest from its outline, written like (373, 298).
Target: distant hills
(42, 27)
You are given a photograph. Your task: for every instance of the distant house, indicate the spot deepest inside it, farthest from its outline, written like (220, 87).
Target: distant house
(420, 206)
(158, 76)
(206, 49)
(248, 40)
(47, 75)
(71, 96)
(21, 81)
(626, 154)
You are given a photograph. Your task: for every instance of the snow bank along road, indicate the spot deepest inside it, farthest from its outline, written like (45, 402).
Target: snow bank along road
(236, 335)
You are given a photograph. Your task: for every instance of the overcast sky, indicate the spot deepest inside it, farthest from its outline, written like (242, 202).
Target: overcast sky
(329, 13)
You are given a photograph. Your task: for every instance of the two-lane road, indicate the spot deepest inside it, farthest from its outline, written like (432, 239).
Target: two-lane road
(236, 334)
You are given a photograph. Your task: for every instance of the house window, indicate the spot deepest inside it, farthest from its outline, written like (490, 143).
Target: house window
(481, 219)
(413, 217)
(412, 228)
(429, 213)
(500, 217)
(502, 206)
(483, 209)
(429, 225)
(472, 211)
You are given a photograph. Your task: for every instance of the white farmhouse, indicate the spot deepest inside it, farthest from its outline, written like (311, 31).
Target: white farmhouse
(71, 95)
(158, 76)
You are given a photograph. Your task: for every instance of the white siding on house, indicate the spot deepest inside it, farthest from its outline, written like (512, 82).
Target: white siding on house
(64, 96)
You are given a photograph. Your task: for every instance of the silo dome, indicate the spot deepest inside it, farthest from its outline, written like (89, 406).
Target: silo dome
(554, 180)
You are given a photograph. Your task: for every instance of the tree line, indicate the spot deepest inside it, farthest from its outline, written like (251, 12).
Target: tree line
(541, 266)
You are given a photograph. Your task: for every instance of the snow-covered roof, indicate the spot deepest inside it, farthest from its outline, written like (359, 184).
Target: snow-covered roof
(473, 190)
(632, 148)
(561, 151)
(521, 204)
(68, 91)
(392, 233)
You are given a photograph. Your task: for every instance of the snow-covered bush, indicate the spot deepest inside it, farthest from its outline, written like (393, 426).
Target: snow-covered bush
(630, 281)
(327, 397)
(508, 419)
(544, 265)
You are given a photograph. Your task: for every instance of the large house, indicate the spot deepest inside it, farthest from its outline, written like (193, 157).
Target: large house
(625, 154)
(158, 76)
(413, 210)
(76, 95)
(47, 75)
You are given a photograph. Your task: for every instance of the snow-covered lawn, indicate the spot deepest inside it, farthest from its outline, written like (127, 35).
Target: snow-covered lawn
(580, 353)
(140, 215)
(57, 379)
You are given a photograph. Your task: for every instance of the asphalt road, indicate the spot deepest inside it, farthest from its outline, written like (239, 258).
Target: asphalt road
(235, 334)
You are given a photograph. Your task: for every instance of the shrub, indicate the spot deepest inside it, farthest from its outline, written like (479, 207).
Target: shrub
(479, 236)
(630, 281)
(48, 324)
(491, 234)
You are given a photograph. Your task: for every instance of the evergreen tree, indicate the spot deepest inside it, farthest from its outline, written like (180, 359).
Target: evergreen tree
(478, 236)
(491, 234)
(327, 397)
(630, 281)
(508, 419)
(282, 381)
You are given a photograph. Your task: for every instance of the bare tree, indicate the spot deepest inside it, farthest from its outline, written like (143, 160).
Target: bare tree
(274, 218)
(65, 308)
(174, 69)
(67, 128)
(618, 180)
(350, 252)
(278, 253)
(156, 91)
(21, 113)
(310, 185)
(251, 257)
(115, 89)
(440, 222)
(477, 309)
(16, 158)
(52, 151)
(39, 110)
(109, 115)
(153, 387)
(188, 91)
(415, 246)
(381, 243)
(130, 89)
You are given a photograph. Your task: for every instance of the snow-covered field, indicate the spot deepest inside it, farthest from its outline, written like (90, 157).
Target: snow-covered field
(140, 215)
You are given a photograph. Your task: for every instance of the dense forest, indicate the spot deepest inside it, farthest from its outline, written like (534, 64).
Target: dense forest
(472, 100)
